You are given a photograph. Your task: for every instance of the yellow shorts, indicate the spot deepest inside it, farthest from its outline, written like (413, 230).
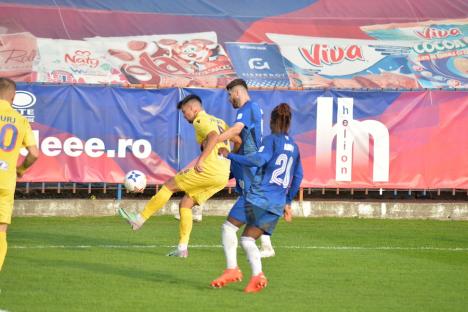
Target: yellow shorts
(6, 205)
(201, 186)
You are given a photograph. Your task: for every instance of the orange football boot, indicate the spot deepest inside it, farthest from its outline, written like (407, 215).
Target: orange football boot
(228, 276)
(256, 284)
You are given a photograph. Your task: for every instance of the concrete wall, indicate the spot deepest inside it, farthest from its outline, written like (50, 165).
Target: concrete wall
(364, 209)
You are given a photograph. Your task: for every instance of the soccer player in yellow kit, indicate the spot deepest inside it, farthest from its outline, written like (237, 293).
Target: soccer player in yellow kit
(15, 132)
(209, 175)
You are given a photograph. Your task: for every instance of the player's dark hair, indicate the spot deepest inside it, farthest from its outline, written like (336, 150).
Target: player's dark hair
(188, 98)
(6, 86)
(280, 119)
(237, 82)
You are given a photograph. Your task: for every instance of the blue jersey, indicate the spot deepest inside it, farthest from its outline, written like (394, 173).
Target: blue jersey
(251, 116)
(278, 175)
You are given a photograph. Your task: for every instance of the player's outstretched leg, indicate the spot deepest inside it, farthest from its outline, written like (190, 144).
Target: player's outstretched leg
(135, 220)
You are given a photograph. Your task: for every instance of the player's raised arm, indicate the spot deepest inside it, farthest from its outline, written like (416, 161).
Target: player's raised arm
(237, 143)
(231, 133)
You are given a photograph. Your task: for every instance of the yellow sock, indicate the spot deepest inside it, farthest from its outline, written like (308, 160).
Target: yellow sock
(3, 248)
(185, 226)
(156, 202)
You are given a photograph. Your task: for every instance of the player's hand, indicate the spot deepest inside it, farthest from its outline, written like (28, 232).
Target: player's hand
(199, 166)
(138, 190)
(287, 213)
(19, 172)
(203, 145)
(223, 152)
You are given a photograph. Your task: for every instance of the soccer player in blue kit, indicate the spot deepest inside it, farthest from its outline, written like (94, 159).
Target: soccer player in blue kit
(278, 176)
(249, 125)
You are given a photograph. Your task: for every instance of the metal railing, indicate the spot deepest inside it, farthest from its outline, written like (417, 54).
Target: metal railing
(48, 190)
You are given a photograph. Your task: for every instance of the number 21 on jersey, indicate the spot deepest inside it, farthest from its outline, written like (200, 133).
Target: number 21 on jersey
(285, 165)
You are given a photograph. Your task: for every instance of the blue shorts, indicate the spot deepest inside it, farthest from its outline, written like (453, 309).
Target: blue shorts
(238, 210)
(260, 218)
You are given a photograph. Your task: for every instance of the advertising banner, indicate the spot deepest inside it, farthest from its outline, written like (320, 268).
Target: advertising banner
(260, 65)
(346, 63)
(97, 134)
(347, 139)
(182, 60)
(75, 61)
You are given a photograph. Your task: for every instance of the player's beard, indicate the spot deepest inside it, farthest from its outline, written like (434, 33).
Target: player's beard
(235, 103)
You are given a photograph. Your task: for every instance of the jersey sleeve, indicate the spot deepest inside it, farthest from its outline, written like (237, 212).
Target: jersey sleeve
(202, 126)
(28, 139)
(258, 159)
(296, 180)
(248, 116)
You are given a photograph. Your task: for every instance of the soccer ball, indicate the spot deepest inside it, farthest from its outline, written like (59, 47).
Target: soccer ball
(135, 180)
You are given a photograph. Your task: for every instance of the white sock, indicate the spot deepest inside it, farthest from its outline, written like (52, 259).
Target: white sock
(182, 246)
(266, 241)
(253, 254)
(229, 239)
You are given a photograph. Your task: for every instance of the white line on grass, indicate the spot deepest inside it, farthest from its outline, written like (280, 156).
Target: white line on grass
(421, 248)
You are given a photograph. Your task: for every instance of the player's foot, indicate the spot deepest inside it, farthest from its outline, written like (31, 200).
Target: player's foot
(134, 219)
(256, 283)
(267, 252)
(228, 276)
(181, 253)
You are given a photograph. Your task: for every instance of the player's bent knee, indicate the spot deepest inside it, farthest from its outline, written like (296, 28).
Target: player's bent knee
(234, 222)
(172, 185)
(187, 202)
(226, 226)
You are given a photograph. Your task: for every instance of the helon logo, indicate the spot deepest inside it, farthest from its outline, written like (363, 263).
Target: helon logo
(352, 140)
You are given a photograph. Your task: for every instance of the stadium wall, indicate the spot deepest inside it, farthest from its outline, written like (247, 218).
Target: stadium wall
(351, 209)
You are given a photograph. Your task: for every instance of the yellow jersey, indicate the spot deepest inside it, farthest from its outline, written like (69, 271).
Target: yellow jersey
(204, 124)
(15, 133)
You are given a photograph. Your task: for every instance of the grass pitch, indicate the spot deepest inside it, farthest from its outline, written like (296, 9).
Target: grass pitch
(99, 264)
